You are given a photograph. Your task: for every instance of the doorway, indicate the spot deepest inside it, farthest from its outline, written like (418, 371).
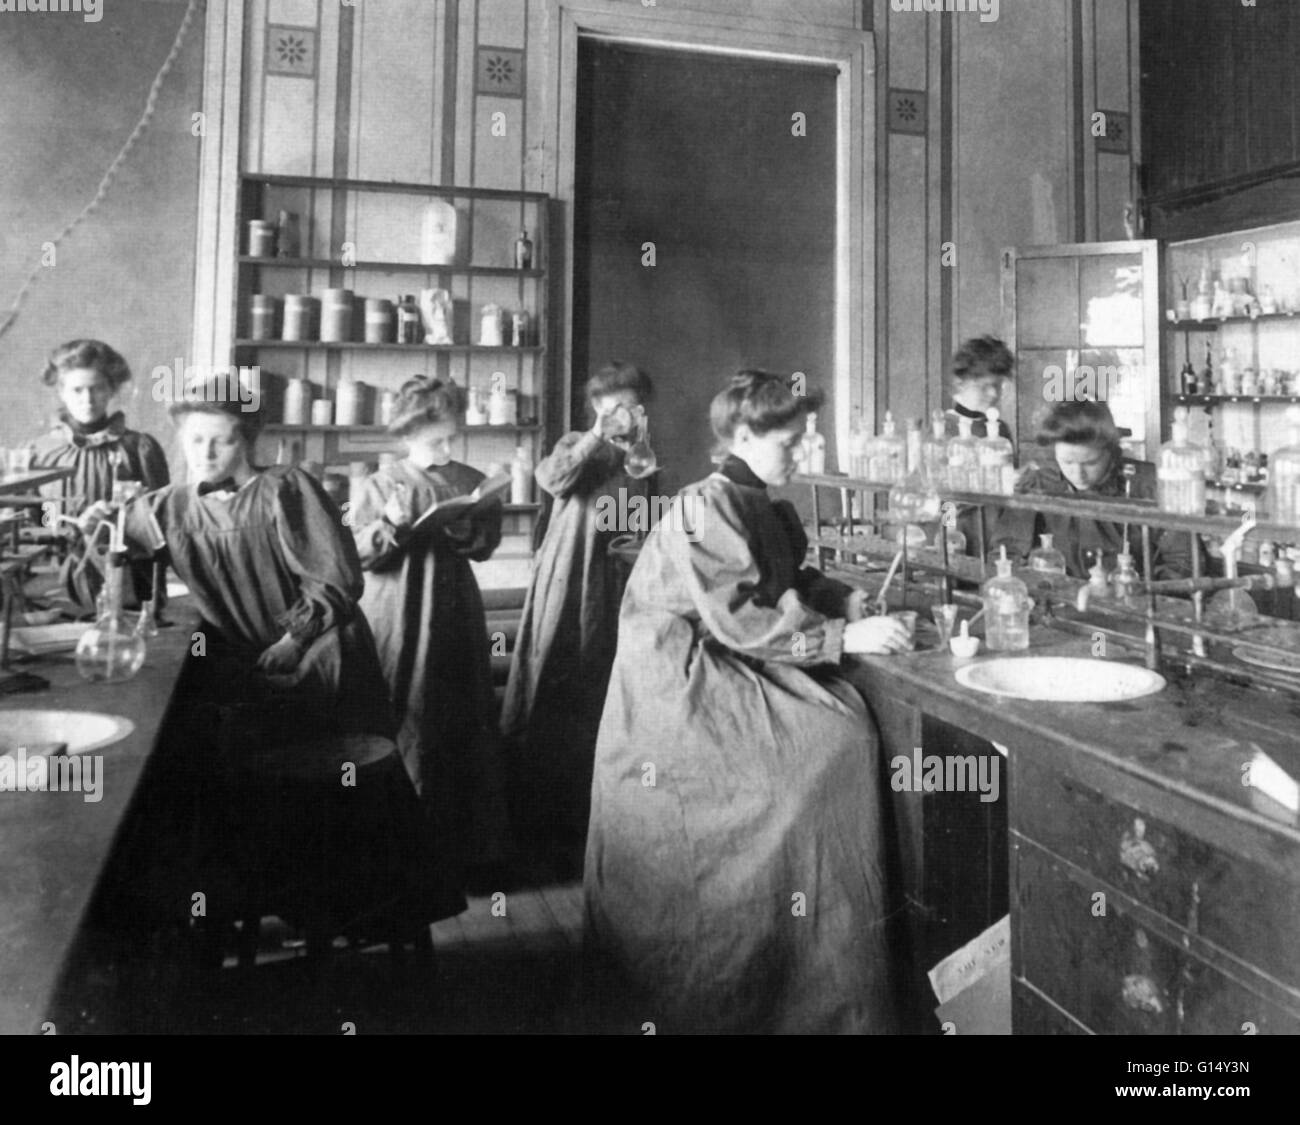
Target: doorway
(704, 230)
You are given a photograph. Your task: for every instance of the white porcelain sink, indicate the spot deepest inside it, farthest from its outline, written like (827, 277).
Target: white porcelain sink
(1060, 679)
(79, 731)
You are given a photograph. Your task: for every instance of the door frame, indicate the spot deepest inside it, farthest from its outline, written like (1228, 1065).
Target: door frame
(850, 51)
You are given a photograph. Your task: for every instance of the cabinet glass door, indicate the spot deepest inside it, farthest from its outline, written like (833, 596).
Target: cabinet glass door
(1083, 321)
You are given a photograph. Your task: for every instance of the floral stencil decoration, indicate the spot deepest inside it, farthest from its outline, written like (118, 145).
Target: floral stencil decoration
(291, 50)
(500, 72)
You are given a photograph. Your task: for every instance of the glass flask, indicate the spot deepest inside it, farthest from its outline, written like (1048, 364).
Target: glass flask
(640, 460)
(110, 651)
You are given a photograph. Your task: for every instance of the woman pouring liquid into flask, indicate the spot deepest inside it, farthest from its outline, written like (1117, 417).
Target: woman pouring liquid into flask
(735, 768)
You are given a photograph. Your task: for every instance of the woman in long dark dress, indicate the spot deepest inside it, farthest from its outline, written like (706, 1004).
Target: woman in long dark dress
(283, 665)
(735, 860)
(560, 665)
(426, 611)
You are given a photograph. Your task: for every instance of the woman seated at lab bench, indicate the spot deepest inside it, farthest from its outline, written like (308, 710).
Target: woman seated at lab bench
(735, 875)
(1081, 456)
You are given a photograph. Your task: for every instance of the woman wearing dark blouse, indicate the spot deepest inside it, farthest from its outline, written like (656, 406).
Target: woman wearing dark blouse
(87, 438)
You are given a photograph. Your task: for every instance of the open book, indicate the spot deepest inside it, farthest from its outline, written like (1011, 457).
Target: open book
(468, 505)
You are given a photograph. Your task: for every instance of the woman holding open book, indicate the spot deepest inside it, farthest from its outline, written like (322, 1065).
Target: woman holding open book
(418, 524)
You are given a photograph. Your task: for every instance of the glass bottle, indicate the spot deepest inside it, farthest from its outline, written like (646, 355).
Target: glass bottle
(813, 446)
(523, 251)
(913, 440)
(887, 453)
(1047, 560)
(1187, 378)
(1125, 579)
(109, 651)
(964, 459)
(934, 452)
(409, 329)
(1283, 498)
(288, 240)
(1180, 472)
(858, 439)
(997, 460)
(1006, 605)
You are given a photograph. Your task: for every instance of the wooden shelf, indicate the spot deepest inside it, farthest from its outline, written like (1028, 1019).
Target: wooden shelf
(360, 346)
(1110, 510)
(1212, 400)
(32, 478)
(1211, 324)
(309, 428)
(397, 187)
(386, 267)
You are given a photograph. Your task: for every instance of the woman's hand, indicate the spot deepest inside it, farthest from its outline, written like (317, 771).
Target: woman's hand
(395, 507)
(93, 516)
(857, 605)
(281, 658)
(876, 636)
(613, 423)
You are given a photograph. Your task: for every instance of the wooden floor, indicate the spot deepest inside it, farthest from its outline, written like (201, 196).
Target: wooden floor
(515, 969)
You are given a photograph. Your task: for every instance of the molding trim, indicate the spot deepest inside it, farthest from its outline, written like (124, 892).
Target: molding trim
(218, 202)
(851, 51)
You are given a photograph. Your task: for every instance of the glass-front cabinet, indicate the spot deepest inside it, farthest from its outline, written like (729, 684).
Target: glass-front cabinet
(1232, 350)
(1083, 321)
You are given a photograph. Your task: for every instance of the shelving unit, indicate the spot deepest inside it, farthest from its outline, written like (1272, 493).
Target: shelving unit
(364, 235)
(1258, 267)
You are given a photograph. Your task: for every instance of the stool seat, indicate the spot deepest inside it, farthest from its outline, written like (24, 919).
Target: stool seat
(319, 758)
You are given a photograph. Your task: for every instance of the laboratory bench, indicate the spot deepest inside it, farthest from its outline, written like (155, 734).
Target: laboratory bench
(55, 846)
(1151, 889)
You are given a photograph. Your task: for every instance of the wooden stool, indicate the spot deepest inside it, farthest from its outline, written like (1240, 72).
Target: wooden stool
(327, 832)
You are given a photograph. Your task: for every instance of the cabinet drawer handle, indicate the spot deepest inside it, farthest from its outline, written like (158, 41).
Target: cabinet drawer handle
(1137, 854)
(1142, 993)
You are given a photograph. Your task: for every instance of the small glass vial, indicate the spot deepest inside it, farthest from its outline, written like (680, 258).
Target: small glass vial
(1007, 605)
